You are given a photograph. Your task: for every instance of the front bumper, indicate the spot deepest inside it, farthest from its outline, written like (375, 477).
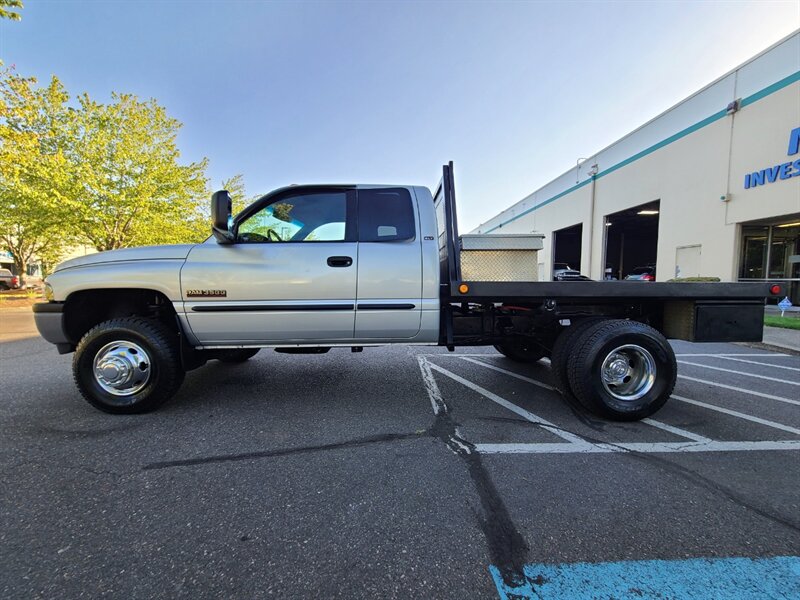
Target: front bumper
(49, 317)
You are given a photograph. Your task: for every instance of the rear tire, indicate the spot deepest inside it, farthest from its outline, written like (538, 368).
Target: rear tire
(559, 358)
(236, 356)
(522, 351)
(622, 370)
(128, 365)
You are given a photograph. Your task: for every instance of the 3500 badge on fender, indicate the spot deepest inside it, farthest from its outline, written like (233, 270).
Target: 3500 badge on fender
(206, 293)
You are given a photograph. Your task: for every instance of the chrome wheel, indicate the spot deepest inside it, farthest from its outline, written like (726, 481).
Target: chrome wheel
(122, 368)
(628, 372)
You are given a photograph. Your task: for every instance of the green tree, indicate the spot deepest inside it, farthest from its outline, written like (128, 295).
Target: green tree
(36, 210)
(236, 190)
(9, 14)
(108, 175)
(282, 210)
(132, 188)
(235, 187)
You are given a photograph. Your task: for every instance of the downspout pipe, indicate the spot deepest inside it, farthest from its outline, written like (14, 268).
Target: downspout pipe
(591, 220)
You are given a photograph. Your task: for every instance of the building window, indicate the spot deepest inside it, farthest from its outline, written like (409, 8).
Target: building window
(784, 252)
(754, 248)
(772, 253)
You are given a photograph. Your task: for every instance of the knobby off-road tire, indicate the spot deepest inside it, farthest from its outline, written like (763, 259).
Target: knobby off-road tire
(128, 365)
(236, 356)
(622, 370)
(521, 351)
(565, 343)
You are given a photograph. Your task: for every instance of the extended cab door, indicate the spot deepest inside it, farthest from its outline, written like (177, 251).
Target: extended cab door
(389, 305)
(290, 276)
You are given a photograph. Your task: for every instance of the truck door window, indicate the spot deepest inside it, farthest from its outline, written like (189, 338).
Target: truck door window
(314, 217)
(385, 215)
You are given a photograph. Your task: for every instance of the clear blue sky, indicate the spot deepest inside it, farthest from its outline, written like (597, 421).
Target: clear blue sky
(380, 92)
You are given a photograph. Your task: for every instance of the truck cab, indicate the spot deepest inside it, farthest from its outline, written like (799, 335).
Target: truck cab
(333, 265)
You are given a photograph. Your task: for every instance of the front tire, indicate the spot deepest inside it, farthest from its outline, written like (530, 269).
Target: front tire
(128, 365)
(622, 370)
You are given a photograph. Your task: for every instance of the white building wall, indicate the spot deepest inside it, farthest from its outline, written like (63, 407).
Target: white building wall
(760, 140)
(688, 158)
(688, 177)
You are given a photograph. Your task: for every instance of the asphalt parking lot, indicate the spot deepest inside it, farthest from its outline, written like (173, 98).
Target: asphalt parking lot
(398, 473)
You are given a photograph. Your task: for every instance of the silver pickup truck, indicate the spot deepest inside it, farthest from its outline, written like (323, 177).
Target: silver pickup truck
(307, 268)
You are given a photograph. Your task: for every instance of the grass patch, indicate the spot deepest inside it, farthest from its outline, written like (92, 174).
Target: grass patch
(783, 322)
(694, 280)
(16, 298)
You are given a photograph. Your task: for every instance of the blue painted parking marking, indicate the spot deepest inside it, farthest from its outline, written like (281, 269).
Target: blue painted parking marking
(698, 578)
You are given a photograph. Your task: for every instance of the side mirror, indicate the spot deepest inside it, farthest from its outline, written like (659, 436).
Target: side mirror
(221, 217)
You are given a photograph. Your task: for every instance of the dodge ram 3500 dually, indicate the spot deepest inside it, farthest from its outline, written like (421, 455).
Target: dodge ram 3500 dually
(310, 267)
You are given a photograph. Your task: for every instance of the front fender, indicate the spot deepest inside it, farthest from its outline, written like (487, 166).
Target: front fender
(160, 275)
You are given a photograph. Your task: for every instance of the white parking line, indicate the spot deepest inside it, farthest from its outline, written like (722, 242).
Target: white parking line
(738, 389)
(694, 364)
(762, 354)
(558, 448)
(459, 355)
(654, 423)
(544, 424)
(677, 431)
(755, 362)
(740, 415)
(725, 354)
(434, 394)
(578, 445)
(643, 448)
(510, 373)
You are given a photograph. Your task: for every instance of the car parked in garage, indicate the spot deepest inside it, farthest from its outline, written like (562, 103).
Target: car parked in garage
(642, 274)
(563, 272)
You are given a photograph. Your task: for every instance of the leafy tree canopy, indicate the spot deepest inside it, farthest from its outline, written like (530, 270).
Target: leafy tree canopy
(10, 14)
(36, 210)
(132, 188)
(235, 187)
(107, 175)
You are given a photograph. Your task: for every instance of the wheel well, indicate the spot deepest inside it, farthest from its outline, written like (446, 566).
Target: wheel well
(85, 309)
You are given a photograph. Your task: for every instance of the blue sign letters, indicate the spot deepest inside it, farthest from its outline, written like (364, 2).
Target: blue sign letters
(785, 170)
(794, 142)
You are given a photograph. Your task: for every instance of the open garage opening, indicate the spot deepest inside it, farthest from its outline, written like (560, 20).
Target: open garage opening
(567, 250)
(632, 242)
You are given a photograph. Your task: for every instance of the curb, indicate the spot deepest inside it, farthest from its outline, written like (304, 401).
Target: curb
(769, 348)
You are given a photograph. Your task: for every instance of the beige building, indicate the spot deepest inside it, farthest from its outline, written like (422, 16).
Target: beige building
(711, 187)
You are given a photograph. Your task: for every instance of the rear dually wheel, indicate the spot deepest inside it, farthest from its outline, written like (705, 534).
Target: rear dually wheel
(622, 370)
(559, 358)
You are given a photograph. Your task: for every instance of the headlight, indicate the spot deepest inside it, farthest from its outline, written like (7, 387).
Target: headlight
(48, 292)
